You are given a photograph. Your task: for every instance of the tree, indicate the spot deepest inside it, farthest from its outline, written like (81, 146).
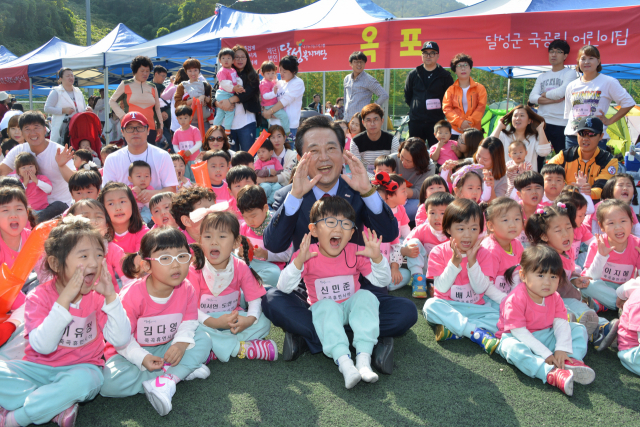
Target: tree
(162, 31)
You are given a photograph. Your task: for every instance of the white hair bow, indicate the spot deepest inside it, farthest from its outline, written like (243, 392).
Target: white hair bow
(87, 166)
(200, 213)
(72, 219)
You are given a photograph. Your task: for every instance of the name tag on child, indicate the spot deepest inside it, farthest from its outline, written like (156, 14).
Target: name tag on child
(575, 247)
(433, 104)
(185, 145)
(581, 110)
(617, 273)
(81, 331)
(337, 288)
(385, 250)
(464, 293)
(158, 330)
(503, 285)
(221, 303)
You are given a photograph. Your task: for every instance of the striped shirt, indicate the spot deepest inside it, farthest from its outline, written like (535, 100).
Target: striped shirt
(367, 151)
(358, 92)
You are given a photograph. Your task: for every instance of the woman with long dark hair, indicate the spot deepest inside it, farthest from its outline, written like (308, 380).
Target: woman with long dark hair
(491, 155)
(414, 164)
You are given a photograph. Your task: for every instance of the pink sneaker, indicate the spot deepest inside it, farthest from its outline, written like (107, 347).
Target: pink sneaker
(67, 418)
(563, 379)
(258, 349)
(212, 356)
(582, 374)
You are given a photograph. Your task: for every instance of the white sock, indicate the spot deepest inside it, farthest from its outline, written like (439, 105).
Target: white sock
(349, 372)
(11, 420)
(363, 365)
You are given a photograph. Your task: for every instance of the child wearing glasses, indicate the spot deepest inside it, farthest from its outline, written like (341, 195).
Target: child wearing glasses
(330, 269)
(166, 346)
(187, 139)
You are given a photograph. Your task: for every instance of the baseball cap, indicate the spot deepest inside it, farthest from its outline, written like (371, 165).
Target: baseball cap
(134, 116)
(430, 45)
(590, 123)
(3, 96)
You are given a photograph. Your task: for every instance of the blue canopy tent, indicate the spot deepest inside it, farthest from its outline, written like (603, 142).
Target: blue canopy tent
(6, 55)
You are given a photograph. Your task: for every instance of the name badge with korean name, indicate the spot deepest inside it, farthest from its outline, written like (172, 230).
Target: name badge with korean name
(221, 303)
(158, 329)
(434, 104)
(575, 248)
(581, 110)
(617, 273)
(81, 331)
(185, 145)
(337, 288)
(385, 250)
(464, 293)
(504, 286)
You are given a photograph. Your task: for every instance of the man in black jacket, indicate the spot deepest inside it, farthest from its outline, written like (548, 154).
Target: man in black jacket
(423, 92)
(320, 142)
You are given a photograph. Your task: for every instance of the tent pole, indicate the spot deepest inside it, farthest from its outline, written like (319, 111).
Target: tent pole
(107, 121)
(508, 92)
(386, 83)
(324, 90)
(30, 94)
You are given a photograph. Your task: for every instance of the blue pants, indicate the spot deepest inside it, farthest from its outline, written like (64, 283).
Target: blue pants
(13, 349)
(282, 116)
(224, 118)
(122, 378)
(226, 345)
(270, 189)
(555, 135)
(37, 393)
(520, 355)
(417, 265)
(406, 276)
(461, 318)
(603, 291)
(269, 272)
(630, 359)
(412, 207)
(291, 313)
(245, 136)
(360, 312)
(572, 141)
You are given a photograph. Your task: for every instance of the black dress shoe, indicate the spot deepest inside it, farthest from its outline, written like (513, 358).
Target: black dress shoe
(294, 346)
(382, 357)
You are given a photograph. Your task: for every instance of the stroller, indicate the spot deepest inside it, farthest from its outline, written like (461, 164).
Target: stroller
(85, 126)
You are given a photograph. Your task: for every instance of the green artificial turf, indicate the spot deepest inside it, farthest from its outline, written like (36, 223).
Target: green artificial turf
(453, 383)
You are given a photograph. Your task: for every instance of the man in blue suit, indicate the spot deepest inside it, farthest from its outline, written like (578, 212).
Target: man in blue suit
(320, 142)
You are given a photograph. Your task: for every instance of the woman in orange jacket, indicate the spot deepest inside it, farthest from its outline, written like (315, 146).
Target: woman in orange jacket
(465, 101)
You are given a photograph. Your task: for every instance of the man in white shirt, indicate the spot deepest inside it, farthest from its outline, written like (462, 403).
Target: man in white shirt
(549, 91)
(55, 161)
(135, 129)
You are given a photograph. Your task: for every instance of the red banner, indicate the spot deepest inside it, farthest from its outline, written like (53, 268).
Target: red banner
(16, 78)
(518, 39)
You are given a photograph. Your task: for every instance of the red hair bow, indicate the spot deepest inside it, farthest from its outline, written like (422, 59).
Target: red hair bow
(382, 180)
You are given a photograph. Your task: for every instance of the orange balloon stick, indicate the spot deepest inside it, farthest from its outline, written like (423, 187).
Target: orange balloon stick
(262, 138)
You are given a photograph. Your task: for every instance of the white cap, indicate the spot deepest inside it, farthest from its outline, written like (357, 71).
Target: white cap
(3, 96)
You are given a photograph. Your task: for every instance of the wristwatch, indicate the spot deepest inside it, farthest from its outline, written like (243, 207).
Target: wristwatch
(368, 193)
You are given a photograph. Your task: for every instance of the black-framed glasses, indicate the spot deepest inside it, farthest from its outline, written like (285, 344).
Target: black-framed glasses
(182, 258)
(332, 222)
(430, 54)
(138, 129)
(587, 134)
(216, 138)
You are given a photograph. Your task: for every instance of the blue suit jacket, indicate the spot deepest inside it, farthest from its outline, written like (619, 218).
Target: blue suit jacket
(284, 230)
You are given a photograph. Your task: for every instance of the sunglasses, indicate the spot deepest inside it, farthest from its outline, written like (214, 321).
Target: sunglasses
(587, 134)
(216, 138)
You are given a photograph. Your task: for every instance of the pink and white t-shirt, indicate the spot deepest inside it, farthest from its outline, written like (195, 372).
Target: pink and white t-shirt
(568, 263)
(140, 205)
(266, 88)
(229, 74)
(154, 324)
(461, 289)
(629, 323)
(229, 299)
(582, 234)
(518, 310)
(591, 221)
(257, 242)
(190, 239)
(332, 278)
(222, 192)
(7, 255)
(446, 152)
(272, 163)
(36, 197)
(421, 215)
(130, 242)
(184, 140)
(502, 261)
(114, 257)
(428, 236)
(620, 267)
(81, 342)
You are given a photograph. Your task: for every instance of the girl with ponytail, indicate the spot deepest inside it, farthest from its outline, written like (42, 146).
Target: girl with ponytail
(219, 280)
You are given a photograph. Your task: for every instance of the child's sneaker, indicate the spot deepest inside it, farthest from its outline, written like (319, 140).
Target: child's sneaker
(582, 374)
(67, 418)
(590, 321)
(258, 349)
(485, 339)
(201, 373)
(159, 392)
(419, 284)
(563, 379)
(605, 335)
(597, 306)
(443, 334)
(212, 357)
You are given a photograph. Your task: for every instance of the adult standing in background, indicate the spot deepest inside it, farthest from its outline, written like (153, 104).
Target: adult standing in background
(338, 109)
(549, 90)
(98, 108)
(374, 142)
(139, 95)
(315, 105)
(4, 103)
(423, 92)
(290, 91)
(359, 87)
(246, 104)
(159, 76)
(195, 87)
(465, 100)
(168, 93)
(63, 102)
(591, 95)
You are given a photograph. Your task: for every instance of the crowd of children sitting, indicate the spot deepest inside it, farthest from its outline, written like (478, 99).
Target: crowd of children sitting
(172, 284)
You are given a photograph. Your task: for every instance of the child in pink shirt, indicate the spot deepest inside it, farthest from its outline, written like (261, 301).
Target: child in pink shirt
(67, 320)
(180, 165)
(433, 184)
(218, 166)
(534, 333)
(37, 186)
(331, 269)
(239, 177)
(165, 345)
(128, 226)
(268, 165)
(629, 331)
(160, 206)
(187, 138)
(268, 98)
(529, 187)
(581, 234)
(229, 84)
(517, 164)
(446, 148)
(234, 329)
(620, 187)
(186, 203)
(459, 269)
(140, 177)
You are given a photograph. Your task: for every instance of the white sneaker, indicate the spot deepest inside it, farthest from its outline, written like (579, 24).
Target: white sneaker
(202, 373)
(159, 391)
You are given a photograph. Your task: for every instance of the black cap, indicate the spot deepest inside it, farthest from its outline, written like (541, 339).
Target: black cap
(431, 45)
(590, 123)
